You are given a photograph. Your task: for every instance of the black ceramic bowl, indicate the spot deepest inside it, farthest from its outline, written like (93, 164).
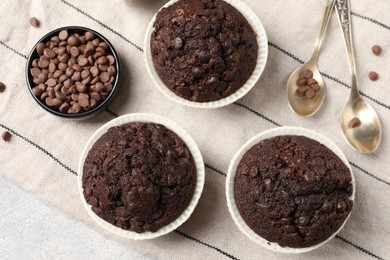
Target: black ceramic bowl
(34, 55)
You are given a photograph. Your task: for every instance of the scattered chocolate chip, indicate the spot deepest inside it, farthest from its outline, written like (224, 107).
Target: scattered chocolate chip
(373, 75)
(2, 87)
(355, 122)
(6, 136)
(376, 49)
(34, 22)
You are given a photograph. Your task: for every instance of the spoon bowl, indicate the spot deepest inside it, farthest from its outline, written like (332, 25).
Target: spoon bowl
(303, 105)
(366, 137)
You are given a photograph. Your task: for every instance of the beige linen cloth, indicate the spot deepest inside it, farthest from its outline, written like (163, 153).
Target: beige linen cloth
(42, 157)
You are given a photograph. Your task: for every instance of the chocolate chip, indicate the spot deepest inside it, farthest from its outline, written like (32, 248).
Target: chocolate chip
(309, 176)
(253, 171)
(102, 60)
(307, 74)
(2, 87)
(327, 207)
(311, 81)
(49, 53)
(221, 87)
(63, 35)
(355, 122)
(198, 72)
(83, 100)
(268, 185)
(178, 43)
(219, 68)
(74, 51)
(73, 41)
(104, 77)
(6, 136)
(43, 64)
(204, 56)
(341, 206)
(310, 93)
(89, 36)
(228, 44)
(111, 59)
(303, 221)
(51, 82)
(301, 91)
(285, 221)
(302, 82)
(83, 61)
(184, 92)
(37, 91)
(34, 22)
(376, 49)
(289, 229)
(315, 87)
(373, 75)
(40, 47)
(349, 189)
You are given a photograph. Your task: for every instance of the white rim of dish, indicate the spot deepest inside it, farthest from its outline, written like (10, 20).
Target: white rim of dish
(231, 203)
(262, 55)
(191, 145)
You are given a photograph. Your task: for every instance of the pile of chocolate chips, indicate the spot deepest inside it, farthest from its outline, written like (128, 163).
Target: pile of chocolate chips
(74, 72)
(308, 86)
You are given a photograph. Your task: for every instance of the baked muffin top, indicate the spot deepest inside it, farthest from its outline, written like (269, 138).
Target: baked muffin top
(203, 50)
(139, 177)
(292, 190)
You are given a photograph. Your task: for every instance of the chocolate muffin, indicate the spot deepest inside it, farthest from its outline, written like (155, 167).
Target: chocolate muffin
(203, 50)
(139, 177)
(293, 191)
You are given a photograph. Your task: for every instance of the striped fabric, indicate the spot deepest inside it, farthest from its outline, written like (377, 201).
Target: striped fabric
(43, 154)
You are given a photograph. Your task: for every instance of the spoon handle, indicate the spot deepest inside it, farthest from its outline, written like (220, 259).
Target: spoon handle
(324, 25)
(343, 9)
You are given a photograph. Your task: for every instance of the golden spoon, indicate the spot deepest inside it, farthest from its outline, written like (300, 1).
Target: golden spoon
(307, 105)
(359, 121)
